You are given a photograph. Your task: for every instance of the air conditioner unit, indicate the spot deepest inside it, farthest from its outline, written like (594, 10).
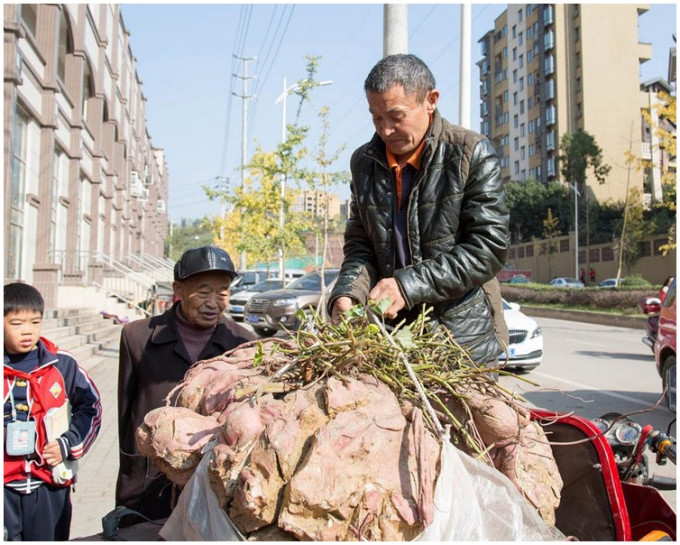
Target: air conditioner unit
(143, 195)
(135, 184)
(160, 206)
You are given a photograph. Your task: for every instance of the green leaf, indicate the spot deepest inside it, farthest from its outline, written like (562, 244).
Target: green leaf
(259, 354)
(405, 338)
(380, 307)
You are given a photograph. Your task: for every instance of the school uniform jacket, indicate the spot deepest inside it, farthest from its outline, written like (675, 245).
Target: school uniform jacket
(57, 378)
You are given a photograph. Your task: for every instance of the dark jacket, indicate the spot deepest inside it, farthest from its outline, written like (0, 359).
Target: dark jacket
(457, 224)
(153, 360)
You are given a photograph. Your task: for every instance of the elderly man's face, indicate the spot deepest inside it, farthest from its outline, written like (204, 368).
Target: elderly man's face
(204, 297)
(401, 120)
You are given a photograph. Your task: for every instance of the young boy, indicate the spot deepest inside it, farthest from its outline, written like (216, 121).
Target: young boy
(38, 378)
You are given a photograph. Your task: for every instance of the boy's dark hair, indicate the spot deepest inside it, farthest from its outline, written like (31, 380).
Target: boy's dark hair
(18, 296)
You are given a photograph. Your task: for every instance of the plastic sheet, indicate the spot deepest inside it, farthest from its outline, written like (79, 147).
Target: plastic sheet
(198, 515)
(475, 502)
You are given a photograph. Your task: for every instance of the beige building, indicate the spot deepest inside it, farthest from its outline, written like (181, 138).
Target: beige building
(316, 202)
(85, 188)
(552, 69)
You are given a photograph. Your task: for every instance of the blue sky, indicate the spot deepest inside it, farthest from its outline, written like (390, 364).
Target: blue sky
(185, 58)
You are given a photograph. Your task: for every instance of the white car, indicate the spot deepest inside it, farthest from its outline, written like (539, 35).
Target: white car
(525, 351)
(566, 282)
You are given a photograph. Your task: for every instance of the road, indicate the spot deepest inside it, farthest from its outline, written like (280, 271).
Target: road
(593, 369)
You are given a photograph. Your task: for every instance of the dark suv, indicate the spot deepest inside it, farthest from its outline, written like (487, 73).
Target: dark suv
(274, 310)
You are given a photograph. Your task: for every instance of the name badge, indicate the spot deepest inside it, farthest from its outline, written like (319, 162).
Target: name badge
(20, 438)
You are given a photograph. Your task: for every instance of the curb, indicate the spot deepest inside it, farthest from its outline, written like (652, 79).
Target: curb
(617, 320)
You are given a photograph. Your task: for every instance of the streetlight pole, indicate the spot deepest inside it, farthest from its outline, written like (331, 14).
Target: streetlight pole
(576, 194)
(282, 220)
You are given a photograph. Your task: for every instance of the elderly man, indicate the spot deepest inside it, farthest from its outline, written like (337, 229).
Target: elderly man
(155, 353)
(428, 224)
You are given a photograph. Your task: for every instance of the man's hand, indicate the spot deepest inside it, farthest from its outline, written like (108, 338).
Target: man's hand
(340, 305)
(388, 288)
(52, 454)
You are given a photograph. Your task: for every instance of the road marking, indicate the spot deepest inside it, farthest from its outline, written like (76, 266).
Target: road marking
(586, 387)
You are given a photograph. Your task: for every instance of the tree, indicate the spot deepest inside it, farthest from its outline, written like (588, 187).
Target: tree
(550, 234)
(580, 155)
(633, 230)
(528, 201)
(187, 235)
(662, 119)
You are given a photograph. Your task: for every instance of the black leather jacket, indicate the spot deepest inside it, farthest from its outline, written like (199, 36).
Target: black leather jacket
(457, 233)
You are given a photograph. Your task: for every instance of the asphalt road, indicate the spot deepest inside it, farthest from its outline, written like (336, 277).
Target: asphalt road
(594, 369)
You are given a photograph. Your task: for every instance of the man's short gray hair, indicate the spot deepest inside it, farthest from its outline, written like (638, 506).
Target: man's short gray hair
(406, 70)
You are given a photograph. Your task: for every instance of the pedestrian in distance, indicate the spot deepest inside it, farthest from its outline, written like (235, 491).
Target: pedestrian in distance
(155, 354)
(428, 223)
(592, 276)
(52, 415)
(582, 276)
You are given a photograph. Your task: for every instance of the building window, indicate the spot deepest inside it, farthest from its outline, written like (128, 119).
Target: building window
(550, 165)
(505, 95)
(87, 87)
(578, 85)
(17, 197)
(579, 110)
(516, 144)
(530, 79)
(530, 102)
(538, 172)
(521, 130)
(514, 53)
(530, 56)
(550, 140)
(550, 113)
(531, 126)
(521, 38)
(530, 33)
(505, 30)
(549, 64)
(532, 151)
(547, 15)
(64, 45)
(521, 106)
(550, 89)
(522, 177)
(516, 167)
(514, 31)
(549, 40)
(519, 15)
(514, 76)
(505, 52)
(522, 153)
(521, 84)
(515, 121)
(29, 15)
(577, 34)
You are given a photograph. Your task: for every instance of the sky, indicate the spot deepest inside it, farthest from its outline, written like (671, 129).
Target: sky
(187, 61)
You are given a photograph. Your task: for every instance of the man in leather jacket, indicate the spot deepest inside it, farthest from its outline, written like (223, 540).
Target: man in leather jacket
(428, 224)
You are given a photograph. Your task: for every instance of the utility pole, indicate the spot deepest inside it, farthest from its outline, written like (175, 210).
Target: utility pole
(465, 63)
(395, 29)
(244, 126)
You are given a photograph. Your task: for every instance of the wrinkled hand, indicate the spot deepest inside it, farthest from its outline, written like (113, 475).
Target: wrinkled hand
(340, 305)
(388, 288)
(52, 454)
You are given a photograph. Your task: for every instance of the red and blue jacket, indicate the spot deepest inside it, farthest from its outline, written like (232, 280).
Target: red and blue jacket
(58, 378)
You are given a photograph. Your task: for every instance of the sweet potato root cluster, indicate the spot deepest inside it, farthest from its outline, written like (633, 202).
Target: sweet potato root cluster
(324, 438)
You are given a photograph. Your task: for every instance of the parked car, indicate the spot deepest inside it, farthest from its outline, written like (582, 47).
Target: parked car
(248, 278)
(566, 282)
(238, 300)
(160, 297)
(518, 279)
(275, 310)
(665, 345)
(611, 283)
(525, 350)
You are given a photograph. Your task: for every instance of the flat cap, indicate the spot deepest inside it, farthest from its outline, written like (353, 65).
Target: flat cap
(203, 259)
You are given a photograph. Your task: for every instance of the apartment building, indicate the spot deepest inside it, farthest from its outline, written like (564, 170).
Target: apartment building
(551, 69)
(317, 202)
(83, 179)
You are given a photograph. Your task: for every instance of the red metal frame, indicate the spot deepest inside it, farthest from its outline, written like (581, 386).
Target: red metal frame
(610, 472)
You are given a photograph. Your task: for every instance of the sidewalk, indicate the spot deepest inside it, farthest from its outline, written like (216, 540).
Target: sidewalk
(94, 492)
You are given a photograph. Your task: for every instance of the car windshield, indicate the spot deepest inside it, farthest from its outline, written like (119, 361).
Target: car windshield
(312, 281)
(570, 280)
(267, 285)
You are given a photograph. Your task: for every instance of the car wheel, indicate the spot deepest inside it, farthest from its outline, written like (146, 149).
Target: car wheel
(668, 378)
(264, 332)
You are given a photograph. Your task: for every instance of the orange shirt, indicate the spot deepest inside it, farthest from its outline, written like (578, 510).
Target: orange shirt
(397, 167)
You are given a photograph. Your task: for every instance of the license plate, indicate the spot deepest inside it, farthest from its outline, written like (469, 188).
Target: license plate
(253, 318)
(237, 309)
(512, 351)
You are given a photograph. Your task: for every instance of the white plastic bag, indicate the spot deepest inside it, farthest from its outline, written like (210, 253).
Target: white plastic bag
(198, 515)
(475, 502)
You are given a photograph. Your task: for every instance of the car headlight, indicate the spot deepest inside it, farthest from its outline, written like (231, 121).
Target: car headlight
(283, 302)
(536, 333)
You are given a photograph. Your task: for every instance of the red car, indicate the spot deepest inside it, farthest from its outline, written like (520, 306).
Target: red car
(664, 347)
